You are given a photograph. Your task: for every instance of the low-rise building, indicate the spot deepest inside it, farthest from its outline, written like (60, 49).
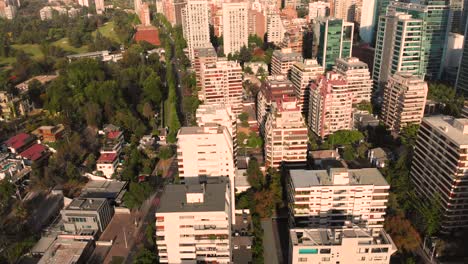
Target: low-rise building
(42, 79)
(318, 156)
(113, 190)
(364, 120)
(337, 197)
(257, 67)
(68, 250)
(49, 133)
(14, 106)
(19, 142)
(113, 142)
(193, 222)
(87, 216)
(350, 245)
(107, 163)
(13, 169)
(378, 157)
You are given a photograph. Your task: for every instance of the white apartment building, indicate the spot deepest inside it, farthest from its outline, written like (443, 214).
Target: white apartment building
(275, 28)
(357, 75)
(282, 61)
(318, 9)
(193, 222)
(347, 246)
(404, 101)
(195, 24)
(344, 9)
(302, 73)
(368, 20)
(440, 167)
(222, 83)
(235, 27)
(285, 134)
(337, 198)
(330, 105)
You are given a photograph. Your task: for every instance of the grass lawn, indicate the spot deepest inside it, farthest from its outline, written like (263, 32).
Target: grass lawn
(32, 49)
(107, 30)
(63, 43)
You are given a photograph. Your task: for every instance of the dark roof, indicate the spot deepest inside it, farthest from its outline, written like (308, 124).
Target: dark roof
(19, 140)
(35, 152)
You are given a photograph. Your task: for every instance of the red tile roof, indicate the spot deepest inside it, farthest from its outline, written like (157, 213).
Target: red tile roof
(107, 158)
(114, 134)
(34, 152)
(149, 34)
(18, 141)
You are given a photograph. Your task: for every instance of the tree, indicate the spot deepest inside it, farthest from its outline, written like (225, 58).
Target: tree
(344, 137)
(254, 40)
(145, 256)
(447, 96)
(254, 141)
(365, 106)
(409, 134)
(244, 55)
(136, 194)
(165, 153)
(254, 174)
(403, 233)
(244, 118)
(6, 192)
(248, 70)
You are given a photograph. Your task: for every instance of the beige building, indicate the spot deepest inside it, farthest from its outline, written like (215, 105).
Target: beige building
(302, 73)
(195, 24)
(275, 28)
(193, 222)
(347, 246)
(357, 75)
(465, 110)
(282, 61)
(330, 105)
(318, 9)
(222, 83)
(202, 56)
(440, 166)
(337, 198)
(235, 27)
(285, 134)
(404, 101)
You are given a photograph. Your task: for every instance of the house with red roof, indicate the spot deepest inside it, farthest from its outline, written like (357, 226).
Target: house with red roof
(107, 164)
(113, 142)
(19, 142)
(149, 34)
(35, 153)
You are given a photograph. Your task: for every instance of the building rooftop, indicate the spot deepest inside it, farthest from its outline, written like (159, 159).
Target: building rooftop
(19, 140)
(324, 237)
(107, 158)
(352, 63)
(24, 86)
(379, 153)
(35, 152)
(86, 204)
(64, 251)
(287, 55)
(454, 128)
(149, 34)
(109, 189)
(114, 134)
(311, 178)
(205, 52)
(200, 130)
(174, 198)
(324, 154)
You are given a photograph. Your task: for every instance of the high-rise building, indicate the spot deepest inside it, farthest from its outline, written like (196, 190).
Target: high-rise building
(294, 34)
(462, 76)
(99, 6)
(368, 20)
(337, 198)
(144, 15)
(457, 10)
(335, 40)
(302, 73)
(318, 9)
(330, 105)
(256, 23)
(274, 88)
(202, 56)
(344, 9)
(195, 25)
(357, 75)
(235, 27)
(285, 134)
(222, 83)
(435, 17)
(275, 28)
(439, 168)
(193, 222)
(350, 245)
(398, 47)
(404, 101)
(282, 61)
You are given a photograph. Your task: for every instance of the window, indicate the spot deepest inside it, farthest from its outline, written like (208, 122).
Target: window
(308, 251)
(325, 259)
(302, 260)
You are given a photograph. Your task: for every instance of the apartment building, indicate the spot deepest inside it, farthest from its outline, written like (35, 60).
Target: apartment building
(274, 88)
(144, 14)
(275, 29)
(318, 9)
(257, 23)
(294, 34)
(282, 61)
(398, 47)
(193, 222)
(404, 101)
(87, 216)
(195, 25)
(330, 105)
(235, 27)
(440, 168)
(357, 75)
(285, 134)
(337, 198)
(202, 56)
(302, 74)
(222, 83)
(350, 245)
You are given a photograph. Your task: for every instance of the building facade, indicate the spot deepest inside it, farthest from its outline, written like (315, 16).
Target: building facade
(193, 222)
(235, 27)
(202, 56)
(439, 168)
(285, 134)
(357, 75)
(195, 24)
(318, 9)
(462, 76)
(337, 198)
(87, 216)
(404, 101)
(330, 105)
(302, 74)
(282, 61)
(350, 245)
(222, 83)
